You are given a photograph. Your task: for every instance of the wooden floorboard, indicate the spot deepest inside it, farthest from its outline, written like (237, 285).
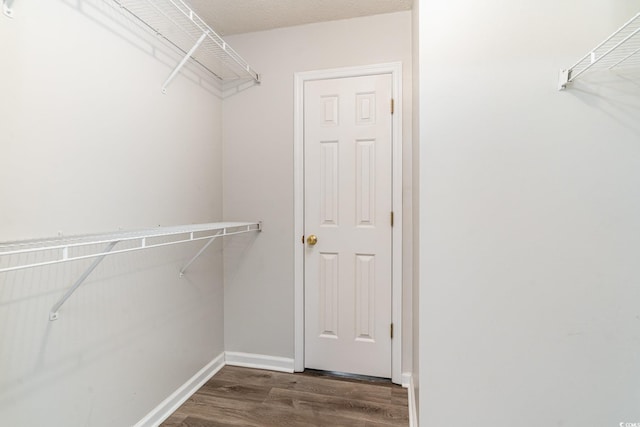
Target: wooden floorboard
(252, 397)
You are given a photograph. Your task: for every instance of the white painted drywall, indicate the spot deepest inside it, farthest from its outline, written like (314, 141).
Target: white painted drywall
(529, 218)
(89, 144)
(258, 165)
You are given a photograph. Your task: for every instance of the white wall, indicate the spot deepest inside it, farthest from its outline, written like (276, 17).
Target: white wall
(258, 164)
(529, 217)
(89, 144)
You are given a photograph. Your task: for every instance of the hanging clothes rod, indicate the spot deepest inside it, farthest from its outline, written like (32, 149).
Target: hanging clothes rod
(74, 248)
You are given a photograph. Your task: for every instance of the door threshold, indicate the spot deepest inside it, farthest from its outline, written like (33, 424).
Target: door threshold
(346, 376)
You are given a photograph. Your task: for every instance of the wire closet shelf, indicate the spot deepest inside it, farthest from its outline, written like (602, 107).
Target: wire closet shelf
(24, 254)
(620, 49)
(177, 23)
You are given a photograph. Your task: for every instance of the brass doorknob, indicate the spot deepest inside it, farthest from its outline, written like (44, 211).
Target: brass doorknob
(312, 240)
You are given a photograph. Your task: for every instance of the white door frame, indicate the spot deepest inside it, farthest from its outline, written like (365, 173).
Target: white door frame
(395, 69)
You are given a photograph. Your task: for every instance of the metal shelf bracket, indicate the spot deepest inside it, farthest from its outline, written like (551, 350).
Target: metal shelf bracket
(204, 248)
(221, 233)
(564, 78)
(7, 8)
(183, 61)
(53, 314)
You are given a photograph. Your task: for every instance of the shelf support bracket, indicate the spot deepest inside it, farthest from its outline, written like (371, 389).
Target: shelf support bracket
(563, 79)
(7, 10)
(204, 248)
(53, 314)
(183, 61)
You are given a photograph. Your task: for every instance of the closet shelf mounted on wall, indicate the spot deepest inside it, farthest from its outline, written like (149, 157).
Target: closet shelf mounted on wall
(42, 252)
(177, 23)
(620, 49)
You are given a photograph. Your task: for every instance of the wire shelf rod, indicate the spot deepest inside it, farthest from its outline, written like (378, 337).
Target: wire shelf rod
(621, 47)
(63, 244)
(625, 58)
(89, 239)
(615, 33)
(229, 229)
(171, 42)
(202, 26)
(177, 23)
(604, 55)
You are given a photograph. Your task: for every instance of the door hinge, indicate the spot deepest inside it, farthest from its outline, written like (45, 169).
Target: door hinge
(392, 106)
(392, 218)
(392, 331)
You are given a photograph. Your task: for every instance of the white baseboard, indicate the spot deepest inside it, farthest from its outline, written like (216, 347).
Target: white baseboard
(178, 397)
(406, 379)
(247, 360)
(259, 361)
(411, 395)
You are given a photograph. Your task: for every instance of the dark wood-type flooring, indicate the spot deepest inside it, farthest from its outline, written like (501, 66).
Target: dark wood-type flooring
(253, 397)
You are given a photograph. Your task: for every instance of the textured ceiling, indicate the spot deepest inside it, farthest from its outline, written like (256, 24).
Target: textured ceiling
(243, 16)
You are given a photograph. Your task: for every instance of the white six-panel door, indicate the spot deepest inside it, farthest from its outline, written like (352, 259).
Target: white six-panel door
(348, 203)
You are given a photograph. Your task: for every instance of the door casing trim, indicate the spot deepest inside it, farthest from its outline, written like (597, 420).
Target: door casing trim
(395, 69)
